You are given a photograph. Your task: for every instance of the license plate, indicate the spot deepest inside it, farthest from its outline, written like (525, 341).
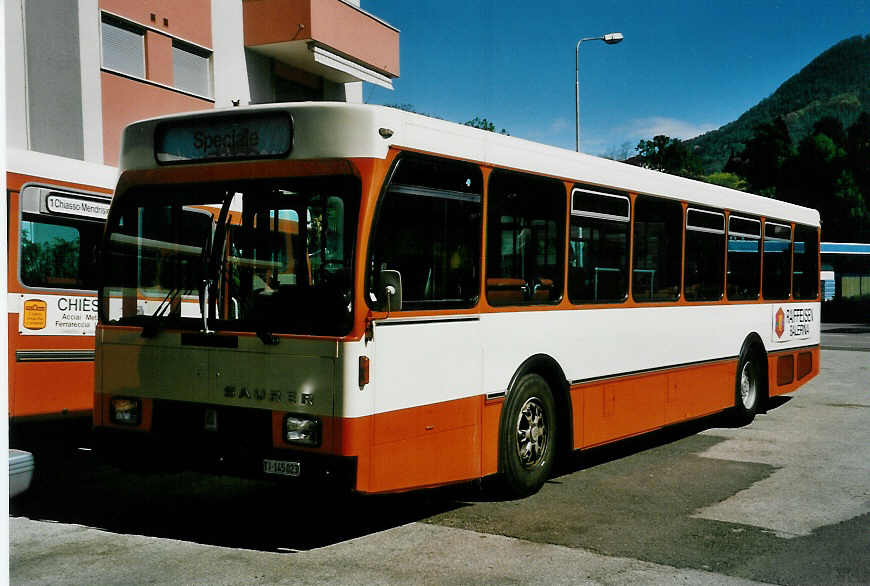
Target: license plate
(281, 468)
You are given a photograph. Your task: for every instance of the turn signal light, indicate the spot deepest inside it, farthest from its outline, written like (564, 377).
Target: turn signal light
(363, 371)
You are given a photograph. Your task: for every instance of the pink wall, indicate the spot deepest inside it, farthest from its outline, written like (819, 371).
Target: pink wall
(330, 22)
(338, 25)
(187, 19)
(158, 58)
(126, 100)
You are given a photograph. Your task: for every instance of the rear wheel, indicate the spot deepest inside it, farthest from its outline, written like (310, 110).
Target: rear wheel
(747, 387)
(528, 436)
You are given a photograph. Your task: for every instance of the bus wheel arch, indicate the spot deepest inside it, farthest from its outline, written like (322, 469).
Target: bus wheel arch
(538, 391)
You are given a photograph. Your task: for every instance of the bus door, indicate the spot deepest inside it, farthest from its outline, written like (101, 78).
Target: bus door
(428, 378)
(53, 239)
(427, 354)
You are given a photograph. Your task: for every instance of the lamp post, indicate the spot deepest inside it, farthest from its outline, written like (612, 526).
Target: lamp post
(610, 39)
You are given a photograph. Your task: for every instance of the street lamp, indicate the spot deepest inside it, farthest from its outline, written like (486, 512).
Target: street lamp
(610, 39)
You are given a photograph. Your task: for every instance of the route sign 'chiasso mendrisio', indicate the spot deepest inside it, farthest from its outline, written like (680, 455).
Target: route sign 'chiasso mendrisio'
(234, 137)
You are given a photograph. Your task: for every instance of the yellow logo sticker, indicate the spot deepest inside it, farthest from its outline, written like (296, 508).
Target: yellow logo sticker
(35, 312)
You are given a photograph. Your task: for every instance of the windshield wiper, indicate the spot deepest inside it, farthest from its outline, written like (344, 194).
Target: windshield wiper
(150, 329)
(168, 301)
(212, 265)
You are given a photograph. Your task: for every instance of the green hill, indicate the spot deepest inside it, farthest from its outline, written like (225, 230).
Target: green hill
(836, 83)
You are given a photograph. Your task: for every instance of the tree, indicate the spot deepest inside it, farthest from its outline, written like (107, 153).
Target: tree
(620, 153)
(821, 175)
(832, 128)
(829, 171)
(484, 124)
(729, 180)
(670, 155)
(844, 210)
(858, 152)
(762, 159)
(405, 107)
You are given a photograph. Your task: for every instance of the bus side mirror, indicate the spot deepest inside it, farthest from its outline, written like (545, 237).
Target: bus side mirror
(390, 286)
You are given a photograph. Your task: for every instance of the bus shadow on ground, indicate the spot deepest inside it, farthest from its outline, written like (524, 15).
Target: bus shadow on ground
(578, 461)
(617, 450)
(73, 486)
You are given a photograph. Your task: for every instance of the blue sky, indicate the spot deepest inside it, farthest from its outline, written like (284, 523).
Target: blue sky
(685, 67)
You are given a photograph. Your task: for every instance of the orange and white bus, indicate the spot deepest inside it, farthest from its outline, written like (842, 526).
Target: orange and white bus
(57, 212)
(392, 301)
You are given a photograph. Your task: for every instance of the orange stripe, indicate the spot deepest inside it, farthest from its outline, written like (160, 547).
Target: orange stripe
(404, 449)
(425, 446)
(610, 410)
(490, 433)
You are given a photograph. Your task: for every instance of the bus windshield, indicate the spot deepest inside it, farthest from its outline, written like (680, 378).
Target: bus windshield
(265, 257)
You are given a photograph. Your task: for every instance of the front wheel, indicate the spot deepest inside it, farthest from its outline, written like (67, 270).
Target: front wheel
(528, 436)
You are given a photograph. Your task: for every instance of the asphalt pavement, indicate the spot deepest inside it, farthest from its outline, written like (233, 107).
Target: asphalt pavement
(851, 337)
(785, 500)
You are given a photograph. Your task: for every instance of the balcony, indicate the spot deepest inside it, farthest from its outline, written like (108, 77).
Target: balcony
(328, 38)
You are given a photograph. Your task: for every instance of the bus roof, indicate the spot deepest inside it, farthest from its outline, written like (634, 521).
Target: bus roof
(52, 167)
(340, 130)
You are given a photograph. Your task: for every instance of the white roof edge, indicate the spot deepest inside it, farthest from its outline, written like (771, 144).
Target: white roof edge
(54, 168)
(352, 130)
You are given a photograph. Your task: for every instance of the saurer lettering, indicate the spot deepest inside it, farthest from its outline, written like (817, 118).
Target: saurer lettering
(269, 395)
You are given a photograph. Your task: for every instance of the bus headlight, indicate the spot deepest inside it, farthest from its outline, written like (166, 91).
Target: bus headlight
(125, 411)
(302, 430)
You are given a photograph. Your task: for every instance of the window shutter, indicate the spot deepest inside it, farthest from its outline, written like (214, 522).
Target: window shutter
(123, 50)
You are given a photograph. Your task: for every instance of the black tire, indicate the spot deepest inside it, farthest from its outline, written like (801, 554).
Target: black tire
(527, 442)
(747, 387)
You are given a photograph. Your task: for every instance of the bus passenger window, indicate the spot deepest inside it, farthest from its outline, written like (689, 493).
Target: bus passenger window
(776, 281)
(598, 246)
(525, 227)
(705, 255)
(59, 256)
(806, 262)
(744, 258)
(658, 243)
(428, 228)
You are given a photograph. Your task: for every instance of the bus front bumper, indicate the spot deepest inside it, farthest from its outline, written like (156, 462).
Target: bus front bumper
(139, 451)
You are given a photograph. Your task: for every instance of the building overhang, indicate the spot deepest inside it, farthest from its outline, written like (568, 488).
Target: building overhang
(332, 39)
(311, 57)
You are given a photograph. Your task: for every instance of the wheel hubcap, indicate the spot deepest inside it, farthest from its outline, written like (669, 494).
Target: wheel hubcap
(748, 386)
(532, 433)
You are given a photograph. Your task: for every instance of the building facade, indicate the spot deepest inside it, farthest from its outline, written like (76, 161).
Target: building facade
(78, 71)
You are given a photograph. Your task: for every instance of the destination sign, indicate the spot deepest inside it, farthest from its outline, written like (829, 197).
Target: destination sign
(245, 136)
(77, 207)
